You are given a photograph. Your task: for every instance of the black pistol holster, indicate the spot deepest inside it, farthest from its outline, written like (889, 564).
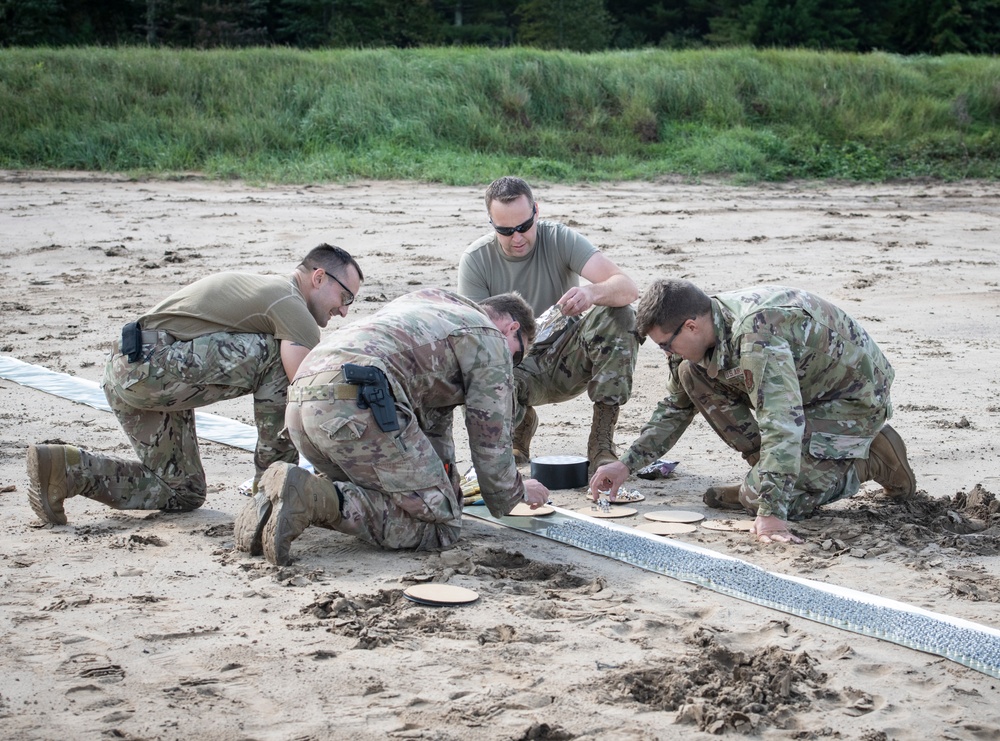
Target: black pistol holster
(132, 341)
(373, 392)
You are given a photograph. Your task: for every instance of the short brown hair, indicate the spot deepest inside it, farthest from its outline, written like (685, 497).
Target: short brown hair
(330, 257)
(514, 305)
(507, 190)
(668, 302)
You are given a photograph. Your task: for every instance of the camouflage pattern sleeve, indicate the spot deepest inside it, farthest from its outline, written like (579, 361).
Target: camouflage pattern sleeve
(664, 428)
(489, 409)
(771, 375)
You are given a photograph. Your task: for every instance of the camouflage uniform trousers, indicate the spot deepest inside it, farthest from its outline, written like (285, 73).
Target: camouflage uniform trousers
(597, 354)
(396, 492)
(820, 480)
(154, 400)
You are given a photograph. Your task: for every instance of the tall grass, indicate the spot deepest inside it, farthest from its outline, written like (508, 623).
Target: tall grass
(464, 115)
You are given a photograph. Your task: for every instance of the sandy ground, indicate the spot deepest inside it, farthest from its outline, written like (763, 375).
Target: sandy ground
(144, 625)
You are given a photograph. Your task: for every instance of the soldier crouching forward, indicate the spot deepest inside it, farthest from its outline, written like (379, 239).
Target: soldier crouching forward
(786, 379)
(371, 408)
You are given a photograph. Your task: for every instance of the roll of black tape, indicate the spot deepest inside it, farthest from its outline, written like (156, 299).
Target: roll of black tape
(560, 471)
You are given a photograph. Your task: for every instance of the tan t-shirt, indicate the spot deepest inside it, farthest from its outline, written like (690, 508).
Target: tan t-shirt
(236, 303)
(542, 277)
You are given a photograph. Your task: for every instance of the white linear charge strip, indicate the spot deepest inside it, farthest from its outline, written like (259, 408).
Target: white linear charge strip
(210, 426)
(970, 644)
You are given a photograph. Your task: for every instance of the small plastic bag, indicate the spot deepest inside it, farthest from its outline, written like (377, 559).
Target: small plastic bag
(657, 470)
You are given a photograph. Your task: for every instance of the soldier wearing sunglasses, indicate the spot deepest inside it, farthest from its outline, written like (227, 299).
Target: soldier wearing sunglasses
(544, 261)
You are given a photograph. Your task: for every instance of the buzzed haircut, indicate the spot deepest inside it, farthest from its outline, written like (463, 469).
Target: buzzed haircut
(507, 190)
(330, 257)
(668, 302)
(514, 305)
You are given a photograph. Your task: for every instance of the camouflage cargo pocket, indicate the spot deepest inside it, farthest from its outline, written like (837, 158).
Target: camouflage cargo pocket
(347, 430)
(827, 446)
(416, 465)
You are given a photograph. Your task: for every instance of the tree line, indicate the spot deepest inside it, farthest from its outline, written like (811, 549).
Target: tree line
(896, 26)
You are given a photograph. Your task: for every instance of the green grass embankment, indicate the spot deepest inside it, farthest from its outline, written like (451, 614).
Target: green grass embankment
(464, 116)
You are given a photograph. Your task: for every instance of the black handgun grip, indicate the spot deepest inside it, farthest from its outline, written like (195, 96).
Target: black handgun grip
(362, 374)
(374, 393)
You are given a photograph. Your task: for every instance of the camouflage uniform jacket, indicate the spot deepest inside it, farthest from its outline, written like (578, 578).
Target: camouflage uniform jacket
(440, 350)
(811, 373)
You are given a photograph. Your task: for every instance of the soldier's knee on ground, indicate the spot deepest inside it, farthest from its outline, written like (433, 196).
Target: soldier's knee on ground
(186, 500)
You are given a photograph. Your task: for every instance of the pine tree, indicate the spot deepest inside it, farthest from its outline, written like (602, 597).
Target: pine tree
(577, 25)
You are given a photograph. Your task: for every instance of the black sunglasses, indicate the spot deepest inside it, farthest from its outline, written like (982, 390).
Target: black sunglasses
(350, 293)
(519, 355)
(665, 346)
(521, 228)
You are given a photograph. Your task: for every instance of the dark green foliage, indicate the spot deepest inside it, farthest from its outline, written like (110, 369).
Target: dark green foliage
(576, 25)
(898, 26)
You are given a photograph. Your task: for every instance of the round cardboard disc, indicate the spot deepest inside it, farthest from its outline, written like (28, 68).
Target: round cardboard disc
(738, 525)
(666, 528)
(613, 512)
(675, 515)
(440, 594)
(523, 509)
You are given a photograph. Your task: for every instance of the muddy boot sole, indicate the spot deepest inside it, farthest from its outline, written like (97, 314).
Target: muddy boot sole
(43, 461)
(248, 530)
(904, 483)
(285, 485)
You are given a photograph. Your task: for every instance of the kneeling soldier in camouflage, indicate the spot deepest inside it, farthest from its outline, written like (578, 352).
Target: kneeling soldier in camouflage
(785, 378)
(224, 336)
(371, 408)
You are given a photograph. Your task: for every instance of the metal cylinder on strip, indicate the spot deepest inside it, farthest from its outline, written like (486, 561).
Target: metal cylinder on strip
(560, 471)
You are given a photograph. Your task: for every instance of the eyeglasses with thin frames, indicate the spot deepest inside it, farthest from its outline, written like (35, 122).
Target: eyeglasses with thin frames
(519, 355)
(521, 228)
(350, 294)
(665, 346)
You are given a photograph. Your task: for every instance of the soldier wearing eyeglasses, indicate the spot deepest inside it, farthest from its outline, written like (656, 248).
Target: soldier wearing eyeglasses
(227, 335)
(788, 380)
(596, 351)
(372, 408)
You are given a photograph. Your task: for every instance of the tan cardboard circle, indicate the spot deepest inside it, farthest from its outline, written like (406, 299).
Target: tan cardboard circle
(611, 513)
(432, 593)
(734, 525)
(674, 515)
(666, 528)
(523, 509)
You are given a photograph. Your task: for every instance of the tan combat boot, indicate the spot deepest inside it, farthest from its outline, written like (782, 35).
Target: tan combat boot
(55, 474)
(887, 465)
(723, 497)
(730, 497)
(601, 444)
(522, 436)
(299, 499)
